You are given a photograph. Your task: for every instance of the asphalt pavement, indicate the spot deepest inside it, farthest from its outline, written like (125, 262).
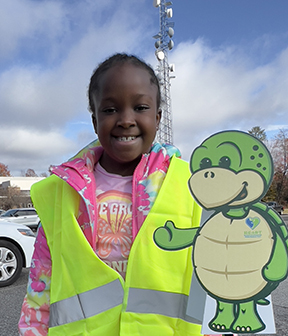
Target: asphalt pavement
(11, 299)
(280, 303)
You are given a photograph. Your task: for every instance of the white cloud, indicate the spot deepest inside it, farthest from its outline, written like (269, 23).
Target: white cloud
(272, 128)
(24, 149)
(37, 98)
(222, 89)
(45, 95)
(26, 20)
(48, 52)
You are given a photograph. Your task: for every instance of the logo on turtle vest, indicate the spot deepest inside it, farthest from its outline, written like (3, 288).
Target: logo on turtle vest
(252, 223)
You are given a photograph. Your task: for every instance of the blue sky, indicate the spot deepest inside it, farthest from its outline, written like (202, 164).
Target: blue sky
(230, 22)
(231, 60)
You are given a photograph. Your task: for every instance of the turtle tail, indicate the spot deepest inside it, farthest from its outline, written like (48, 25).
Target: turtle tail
(263, 302)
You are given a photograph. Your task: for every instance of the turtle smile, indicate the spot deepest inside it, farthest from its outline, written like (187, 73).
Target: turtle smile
(243, 193)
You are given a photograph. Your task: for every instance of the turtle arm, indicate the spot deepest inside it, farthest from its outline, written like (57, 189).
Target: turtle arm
(277, 267)
(169, 237)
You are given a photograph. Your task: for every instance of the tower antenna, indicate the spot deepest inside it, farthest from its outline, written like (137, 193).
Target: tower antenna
(163, 44)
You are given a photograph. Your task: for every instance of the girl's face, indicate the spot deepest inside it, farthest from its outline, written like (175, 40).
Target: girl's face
(126, 117)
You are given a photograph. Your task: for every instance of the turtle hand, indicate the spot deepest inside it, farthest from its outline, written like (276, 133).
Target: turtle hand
(170, 237)
(163, 236)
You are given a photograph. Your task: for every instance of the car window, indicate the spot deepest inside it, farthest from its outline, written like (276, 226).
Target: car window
(31, 212)
(8, 213)
(20, 213)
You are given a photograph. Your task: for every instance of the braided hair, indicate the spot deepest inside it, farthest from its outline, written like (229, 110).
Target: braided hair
(119, 59)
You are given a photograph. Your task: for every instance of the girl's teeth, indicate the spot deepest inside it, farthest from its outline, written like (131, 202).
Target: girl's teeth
(126, 138)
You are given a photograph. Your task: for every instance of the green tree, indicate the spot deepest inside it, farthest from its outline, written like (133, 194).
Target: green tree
(258, 132)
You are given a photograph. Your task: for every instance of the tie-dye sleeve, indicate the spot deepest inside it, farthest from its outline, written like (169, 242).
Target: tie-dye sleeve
(34, 316)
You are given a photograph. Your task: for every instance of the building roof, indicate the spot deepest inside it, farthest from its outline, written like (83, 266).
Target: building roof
(22, 182)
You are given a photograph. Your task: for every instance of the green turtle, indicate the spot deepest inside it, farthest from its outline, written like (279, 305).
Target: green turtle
(240, 254)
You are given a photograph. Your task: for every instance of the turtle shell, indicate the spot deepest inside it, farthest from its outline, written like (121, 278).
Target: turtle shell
(229, 255)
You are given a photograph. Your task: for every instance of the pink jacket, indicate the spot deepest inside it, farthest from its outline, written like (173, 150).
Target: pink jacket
(78, 173)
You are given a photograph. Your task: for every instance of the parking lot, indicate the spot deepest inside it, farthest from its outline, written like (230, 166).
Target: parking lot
(11, 300)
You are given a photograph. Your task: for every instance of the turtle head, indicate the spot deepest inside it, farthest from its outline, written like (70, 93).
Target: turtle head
(230, 168)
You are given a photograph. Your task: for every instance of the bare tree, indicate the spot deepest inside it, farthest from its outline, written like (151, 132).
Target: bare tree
(10, 197)
(279, 151)
(30, 173)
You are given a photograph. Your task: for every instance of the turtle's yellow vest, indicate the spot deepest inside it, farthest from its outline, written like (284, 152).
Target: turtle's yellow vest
(90, 298)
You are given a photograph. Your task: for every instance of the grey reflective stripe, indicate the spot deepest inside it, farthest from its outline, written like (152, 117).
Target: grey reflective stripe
(87, 304)
(147, 301)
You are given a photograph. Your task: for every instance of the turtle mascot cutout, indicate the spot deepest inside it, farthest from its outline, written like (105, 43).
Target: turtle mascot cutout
(240, 254)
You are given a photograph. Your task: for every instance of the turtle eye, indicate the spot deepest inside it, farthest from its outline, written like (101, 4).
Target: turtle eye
(224, 162)
(205, 163)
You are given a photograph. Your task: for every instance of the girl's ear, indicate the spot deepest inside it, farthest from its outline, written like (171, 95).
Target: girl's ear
(158, 117)
(94, 121)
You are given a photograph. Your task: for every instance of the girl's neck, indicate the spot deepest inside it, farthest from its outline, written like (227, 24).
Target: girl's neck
(119, 168)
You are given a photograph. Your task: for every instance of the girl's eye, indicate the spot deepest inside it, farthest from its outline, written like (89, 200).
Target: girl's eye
(224, 162)
(141, 107)
(109, 110)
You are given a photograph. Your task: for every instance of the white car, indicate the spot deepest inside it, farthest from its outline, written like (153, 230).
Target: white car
(26, 216)
(16, 249)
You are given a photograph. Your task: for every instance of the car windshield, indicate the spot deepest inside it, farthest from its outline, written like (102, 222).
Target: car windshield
(8, 213)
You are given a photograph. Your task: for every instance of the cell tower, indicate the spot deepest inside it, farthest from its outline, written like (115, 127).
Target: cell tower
(163, 44)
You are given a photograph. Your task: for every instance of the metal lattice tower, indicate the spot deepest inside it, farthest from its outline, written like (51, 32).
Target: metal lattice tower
(163, 44)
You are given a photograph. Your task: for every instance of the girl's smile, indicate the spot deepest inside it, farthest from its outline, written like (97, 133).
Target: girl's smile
(126, 139)
(126, 116)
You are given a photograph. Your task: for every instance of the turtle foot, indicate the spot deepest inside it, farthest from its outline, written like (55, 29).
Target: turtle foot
(218, 327)
(247, 329)
(248, 319)
(223, 318)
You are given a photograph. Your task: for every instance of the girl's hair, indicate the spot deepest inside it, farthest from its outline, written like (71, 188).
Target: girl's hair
(119, 59)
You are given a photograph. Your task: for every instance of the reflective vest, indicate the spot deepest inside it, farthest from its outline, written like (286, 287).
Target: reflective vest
(90, 298)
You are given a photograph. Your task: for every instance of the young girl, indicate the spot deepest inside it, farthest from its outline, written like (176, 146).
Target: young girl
(96, 269)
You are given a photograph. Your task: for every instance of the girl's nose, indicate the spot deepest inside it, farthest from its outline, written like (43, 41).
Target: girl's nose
(126, 118)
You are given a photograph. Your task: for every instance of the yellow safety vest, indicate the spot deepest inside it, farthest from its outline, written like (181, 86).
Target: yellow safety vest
(90, 298)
